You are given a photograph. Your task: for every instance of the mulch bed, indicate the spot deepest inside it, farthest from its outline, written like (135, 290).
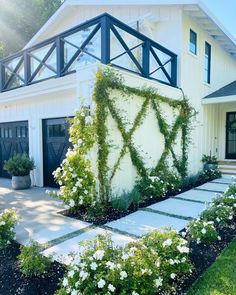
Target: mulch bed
(112, 214)
(13, 282)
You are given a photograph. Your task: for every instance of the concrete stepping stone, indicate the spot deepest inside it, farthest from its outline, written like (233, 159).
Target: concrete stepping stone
(214, 187)
(142, 222)
(63, 226)
(179, 207)
(197, 195)
(62, 252)
(224, 180)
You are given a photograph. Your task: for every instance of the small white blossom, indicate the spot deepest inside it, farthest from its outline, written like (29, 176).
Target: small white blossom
(123, 275)
(98, 254)
(101, 283)
(168, 242)
(158, 282)
(111, 288)
(173, 275)
(93, 266)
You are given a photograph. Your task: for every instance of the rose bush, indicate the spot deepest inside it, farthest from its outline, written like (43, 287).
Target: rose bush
(75, 176)
(8, 221)
(147, 266)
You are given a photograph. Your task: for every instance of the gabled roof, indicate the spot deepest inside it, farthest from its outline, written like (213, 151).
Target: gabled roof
(228, 90)
(194, 8)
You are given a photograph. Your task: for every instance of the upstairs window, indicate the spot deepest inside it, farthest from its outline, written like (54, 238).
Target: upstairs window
(207, 63)
(193, 42)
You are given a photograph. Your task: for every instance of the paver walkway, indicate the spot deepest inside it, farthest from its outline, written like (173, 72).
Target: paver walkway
(42, 222)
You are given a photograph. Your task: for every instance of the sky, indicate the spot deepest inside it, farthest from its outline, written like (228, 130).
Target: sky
(225, 11)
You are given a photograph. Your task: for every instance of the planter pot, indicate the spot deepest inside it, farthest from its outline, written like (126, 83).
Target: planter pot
(210, 166)
(21, 182)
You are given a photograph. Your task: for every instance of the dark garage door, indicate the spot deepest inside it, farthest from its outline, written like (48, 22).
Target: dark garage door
(13, 140)
(55, 146)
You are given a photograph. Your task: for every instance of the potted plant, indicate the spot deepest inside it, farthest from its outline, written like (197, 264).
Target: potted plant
(19, 167)
(209, 162)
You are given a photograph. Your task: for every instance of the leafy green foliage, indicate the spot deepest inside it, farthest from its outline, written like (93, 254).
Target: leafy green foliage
(125, 200)
(202, 231)
(8, 220)
(152, 264)
(107, 80)
(19, 165)
(75, 175)
(32, 263)
(209, 159)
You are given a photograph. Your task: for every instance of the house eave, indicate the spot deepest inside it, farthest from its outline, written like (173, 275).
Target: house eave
(220, 99)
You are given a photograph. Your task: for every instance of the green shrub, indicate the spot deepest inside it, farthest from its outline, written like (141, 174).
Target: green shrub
(75, 176)
(202, 231)
(209, 159)
(152, 186)
(147, 266)
(8, 220)
(209, 175)
(32, 263)
(125, 200)
(19, 165)
(173, 253)
(221, 214)
(226, 199)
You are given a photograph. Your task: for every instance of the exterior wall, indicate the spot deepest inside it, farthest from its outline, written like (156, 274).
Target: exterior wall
(58, 98)
(223, 68)
(147, 138)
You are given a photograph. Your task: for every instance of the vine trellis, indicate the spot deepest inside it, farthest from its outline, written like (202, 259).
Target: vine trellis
(106, 81)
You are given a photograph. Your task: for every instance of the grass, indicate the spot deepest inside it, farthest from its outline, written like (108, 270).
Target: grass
(220, 278)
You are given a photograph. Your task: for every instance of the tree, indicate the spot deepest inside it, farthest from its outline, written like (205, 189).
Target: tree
(20, 20)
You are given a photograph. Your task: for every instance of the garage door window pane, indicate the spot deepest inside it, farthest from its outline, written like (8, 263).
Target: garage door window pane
(6, 132)
(2, 133)
(10, 132)
(57, 130)
(24, 131)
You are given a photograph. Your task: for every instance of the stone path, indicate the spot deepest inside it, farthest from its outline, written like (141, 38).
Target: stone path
(61, 235)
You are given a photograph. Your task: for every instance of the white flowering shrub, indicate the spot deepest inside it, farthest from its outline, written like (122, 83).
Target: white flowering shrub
(220, 213)
(202, 231)
(173, 252)
(152, 186)
(75, 176)
(8, 221)
(148, 266)
(228, 198)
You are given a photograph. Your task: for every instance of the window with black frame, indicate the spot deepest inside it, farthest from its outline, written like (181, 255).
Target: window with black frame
(193, 42)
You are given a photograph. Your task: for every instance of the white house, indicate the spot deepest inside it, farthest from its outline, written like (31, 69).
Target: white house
(178, 47)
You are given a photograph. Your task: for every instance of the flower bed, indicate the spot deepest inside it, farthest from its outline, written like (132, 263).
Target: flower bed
(159, 263)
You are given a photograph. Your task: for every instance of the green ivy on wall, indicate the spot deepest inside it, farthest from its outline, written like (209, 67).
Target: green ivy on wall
(108, 80)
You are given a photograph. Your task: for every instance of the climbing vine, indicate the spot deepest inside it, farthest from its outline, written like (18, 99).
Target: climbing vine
(107, 80)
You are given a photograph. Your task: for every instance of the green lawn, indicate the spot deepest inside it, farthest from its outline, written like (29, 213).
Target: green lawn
(220, 278)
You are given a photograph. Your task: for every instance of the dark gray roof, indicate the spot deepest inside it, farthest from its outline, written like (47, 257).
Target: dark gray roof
(227, 90)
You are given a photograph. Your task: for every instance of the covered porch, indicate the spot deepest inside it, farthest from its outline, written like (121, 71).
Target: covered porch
(219, 121)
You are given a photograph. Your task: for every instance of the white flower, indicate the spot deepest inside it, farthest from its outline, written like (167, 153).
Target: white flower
(111, 288)
(168, 242)
(83, 275)
(123, 275)
(173, 275)
(81, 202)
(125, 256)
(134, 293)
(219, 238)
(74, 292)
(171, 261)
(72, 203)
(71, 274)
(88, 120)
(79, 141)
(110, 265)
(158, 263)
(158, 282)
(93, 265)
(65, 282)
(2, 223)
(183, 249)
(101, 283)
(203, 231)
(98, 254)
